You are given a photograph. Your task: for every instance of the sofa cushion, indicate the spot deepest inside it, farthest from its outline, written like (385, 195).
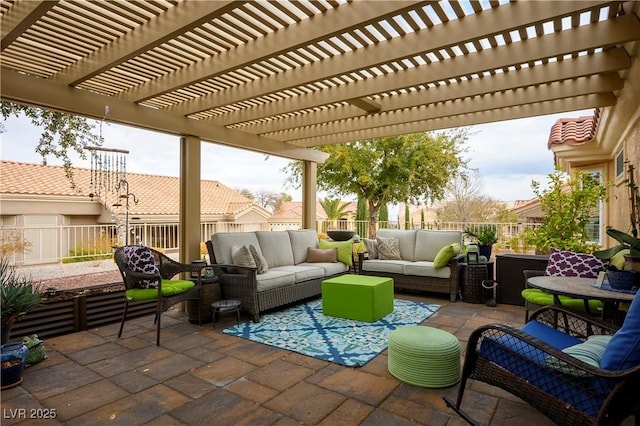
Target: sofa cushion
(315, 255)
(429, 243)
(388, 248)
(426, 269)
(275, 246)
(623, 351)
(303, 272)
(241, 255)
(565, 263)
(301, 240)
(275, 279)
(261, 262)
(407, 239)
(345, 249)
(223, 241)
(390, 266)
(329, 268)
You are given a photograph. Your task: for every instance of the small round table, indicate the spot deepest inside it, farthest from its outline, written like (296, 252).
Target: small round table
(224, 306)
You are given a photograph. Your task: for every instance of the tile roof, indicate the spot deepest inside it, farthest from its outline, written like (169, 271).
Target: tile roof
(293, 210)
(157, 195)
(290, 210)
(574, 131)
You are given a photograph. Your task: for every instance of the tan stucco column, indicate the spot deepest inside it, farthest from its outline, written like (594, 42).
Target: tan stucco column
(189, 199)
(309, 191)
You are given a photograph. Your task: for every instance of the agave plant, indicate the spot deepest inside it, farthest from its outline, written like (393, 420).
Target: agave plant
(18, 294)
(627, 241)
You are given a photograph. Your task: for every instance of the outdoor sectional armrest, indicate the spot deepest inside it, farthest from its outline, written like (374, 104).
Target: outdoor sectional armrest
(230, 268)
(361, 257)
(239, 282)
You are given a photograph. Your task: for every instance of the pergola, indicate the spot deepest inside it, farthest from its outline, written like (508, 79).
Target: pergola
(282, 77)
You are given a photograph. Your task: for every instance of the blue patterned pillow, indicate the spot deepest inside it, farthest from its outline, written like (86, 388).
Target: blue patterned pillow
(140, 259)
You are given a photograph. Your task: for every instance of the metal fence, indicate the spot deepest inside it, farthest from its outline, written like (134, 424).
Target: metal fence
(74, 243)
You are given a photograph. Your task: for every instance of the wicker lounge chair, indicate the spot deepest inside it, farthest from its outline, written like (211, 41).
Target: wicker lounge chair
(530, 364)
(147, 275)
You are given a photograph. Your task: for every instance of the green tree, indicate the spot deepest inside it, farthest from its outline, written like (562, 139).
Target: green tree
(421, 218)
(567, 203)
(62, 133)
(393, 169)
(361, 217)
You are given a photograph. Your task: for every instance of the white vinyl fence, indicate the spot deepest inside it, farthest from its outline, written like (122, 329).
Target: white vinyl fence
(72, 243)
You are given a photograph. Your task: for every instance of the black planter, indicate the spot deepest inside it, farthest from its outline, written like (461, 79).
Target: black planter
(12, 359)
(11, 373)
(485, 251)
(340, 234)
(623, 280)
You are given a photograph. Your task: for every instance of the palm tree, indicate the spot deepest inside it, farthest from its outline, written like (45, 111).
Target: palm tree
(334, 209)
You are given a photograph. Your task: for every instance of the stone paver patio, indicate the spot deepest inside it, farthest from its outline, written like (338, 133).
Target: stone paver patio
(202, 376)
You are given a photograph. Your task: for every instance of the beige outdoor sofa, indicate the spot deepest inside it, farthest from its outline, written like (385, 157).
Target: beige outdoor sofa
(415, 269)
(289, 277)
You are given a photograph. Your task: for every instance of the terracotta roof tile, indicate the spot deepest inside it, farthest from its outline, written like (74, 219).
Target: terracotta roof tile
(157, 195)
(293, 210)
(574, 131)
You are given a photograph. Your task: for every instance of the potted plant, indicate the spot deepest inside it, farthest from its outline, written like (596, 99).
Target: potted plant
(486, 236)
(567, 204)
(18, 295)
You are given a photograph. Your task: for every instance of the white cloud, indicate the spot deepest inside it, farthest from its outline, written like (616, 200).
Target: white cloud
(508, 154)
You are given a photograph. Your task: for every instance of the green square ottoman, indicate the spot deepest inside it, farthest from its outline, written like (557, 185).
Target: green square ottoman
(357, 297)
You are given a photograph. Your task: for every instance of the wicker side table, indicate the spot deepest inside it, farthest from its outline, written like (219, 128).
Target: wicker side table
(209, 293)
(473, 275)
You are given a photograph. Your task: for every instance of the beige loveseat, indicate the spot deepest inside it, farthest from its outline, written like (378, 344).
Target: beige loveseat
(415, 269)
(289, 277)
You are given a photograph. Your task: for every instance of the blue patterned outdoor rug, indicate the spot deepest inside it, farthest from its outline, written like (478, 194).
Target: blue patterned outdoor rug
(304, 329)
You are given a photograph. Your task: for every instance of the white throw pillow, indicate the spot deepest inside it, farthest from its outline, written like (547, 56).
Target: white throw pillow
(241, 255)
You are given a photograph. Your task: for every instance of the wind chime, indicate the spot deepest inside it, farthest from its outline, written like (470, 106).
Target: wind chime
(108, 168)
(109, 177)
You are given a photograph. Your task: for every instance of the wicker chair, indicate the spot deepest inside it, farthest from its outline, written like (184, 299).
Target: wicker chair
(530, 364)
(153, 281)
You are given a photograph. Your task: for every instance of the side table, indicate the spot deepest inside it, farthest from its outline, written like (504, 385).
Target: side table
(473, 275)
(223, 306)
(209, 293)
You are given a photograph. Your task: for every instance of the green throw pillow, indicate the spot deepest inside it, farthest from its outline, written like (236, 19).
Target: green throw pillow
(589, 352)
(344, 249)
(445, 254)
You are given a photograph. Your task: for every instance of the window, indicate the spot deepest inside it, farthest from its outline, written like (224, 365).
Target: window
(620, 164)
(594, 229)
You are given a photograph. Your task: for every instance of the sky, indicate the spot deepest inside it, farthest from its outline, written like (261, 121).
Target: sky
(508, 155)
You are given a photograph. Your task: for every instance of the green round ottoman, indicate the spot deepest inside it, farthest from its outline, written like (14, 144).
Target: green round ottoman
(424, 356)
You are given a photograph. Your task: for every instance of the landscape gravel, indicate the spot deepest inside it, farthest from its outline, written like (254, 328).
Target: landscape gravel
(73, 275)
